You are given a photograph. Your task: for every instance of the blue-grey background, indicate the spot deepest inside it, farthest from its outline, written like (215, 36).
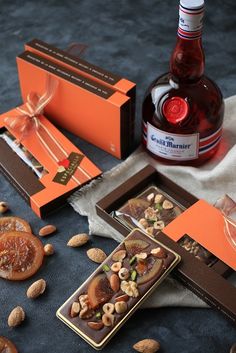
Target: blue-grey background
(133, 39)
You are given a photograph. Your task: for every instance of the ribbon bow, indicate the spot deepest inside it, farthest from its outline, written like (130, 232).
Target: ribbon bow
(29, 115)
(29, 121)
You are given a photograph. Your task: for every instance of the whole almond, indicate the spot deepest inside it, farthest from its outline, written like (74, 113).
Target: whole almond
(47, 230)
(78, 240)
(48, 249)
(122, 298)
(115, 282)
(95, 325)
(119, 255)
(147, 346)
(36, 289)
(97, 255)
(16, 317)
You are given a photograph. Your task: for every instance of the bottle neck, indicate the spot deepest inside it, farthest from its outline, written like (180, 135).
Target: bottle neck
(187, 60)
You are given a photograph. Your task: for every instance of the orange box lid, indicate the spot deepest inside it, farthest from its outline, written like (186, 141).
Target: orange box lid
(205, 224)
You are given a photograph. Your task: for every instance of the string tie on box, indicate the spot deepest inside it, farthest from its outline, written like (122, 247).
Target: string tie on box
(29, 121)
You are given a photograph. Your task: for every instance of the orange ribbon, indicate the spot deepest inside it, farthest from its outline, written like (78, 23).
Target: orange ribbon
(28, 121)
(29, 118)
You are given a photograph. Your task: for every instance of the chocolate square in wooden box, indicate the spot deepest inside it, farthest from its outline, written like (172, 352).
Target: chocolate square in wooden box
(202, 269)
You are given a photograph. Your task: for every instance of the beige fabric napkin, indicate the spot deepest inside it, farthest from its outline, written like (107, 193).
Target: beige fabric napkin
(214, 179)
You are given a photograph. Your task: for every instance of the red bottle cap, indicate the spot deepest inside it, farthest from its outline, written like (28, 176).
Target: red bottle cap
(175, 109)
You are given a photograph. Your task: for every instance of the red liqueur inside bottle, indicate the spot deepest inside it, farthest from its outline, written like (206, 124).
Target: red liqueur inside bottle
(183, 109)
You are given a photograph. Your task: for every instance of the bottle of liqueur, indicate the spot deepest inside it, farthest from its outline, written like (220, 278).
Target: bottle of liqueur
(183, 109)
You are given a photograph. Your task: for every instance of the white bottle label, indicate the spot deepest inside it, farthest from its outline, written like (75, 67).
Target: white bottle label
(172, 146)
(190, 22)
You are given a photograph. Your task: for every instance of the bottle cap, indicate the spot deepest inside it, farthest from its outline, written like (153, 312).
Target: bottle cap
(192, 4)
(175, 109)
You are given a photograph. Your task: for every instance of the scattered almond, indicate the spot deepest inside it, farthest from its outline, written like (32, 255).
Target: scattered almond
(48, 249)
(16, 317)
(167, 205)
(78, 240)
(47, 230)
(147, 346)
(95, 325)
(3, 207)
(119, 255)
(114, 282)
(97, 255)
(75, 309)
(36, 289)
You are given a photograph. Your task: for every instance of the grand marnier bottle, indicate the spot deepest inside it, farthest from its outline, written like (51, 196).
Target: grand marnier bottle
(183, 109)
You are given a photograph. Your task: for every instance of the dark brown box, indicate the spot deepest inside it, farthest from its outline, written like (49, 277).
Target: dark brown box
(208, 283)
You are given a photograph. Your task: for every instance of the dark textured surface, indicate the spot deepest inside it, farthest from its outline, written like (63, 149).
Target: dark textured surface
(133, 39)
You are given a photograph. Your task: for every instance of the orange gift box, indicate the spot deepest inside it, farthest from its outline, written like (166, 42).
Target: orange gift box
(84, 68)
(64, 168)
(96, 113)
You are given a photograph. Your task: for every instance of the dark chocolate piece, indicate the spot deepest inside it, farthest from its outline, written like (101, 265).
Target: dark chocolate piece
(117, 288)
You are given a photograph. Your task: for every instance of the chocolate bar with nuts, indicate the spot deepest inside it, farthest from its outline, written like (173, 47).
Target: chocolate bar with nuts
(197, 250)
(151, 211)
(115, 290)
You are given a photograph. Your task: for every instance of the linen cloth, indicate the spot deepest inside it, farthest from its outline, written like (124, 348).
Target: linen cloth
(210, 181)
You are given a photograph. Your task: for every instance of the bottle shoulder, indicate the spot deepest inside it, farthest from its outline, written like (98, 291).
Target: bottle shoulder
(203, 98)
(205, 83)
